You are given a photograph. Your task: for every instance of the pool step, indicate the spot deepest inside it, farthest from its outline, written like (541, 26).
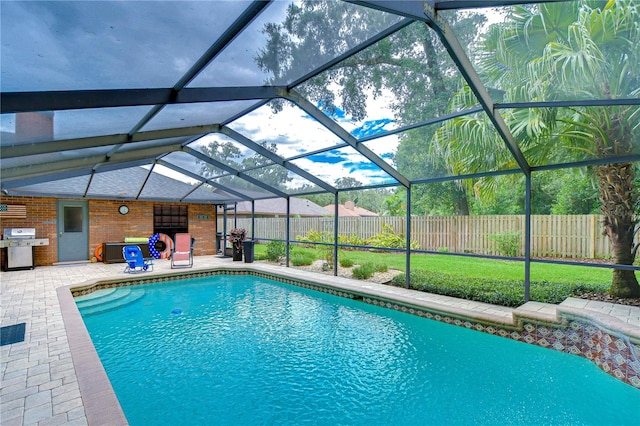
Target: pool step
(107, 302)
(94, 297)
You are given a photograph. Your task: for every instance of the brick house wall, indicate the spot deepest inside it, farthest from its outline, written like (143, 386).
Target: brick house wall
(106, 224)
(41, 214)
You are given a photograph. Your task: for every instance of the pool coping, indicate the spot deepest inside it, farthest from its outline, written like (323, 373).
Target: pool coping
(531, 319)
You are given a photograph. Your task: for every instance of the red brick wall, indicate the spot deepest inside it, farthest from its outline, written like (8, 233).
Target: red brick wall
(106, 224)
(41, 215)
(203, 230)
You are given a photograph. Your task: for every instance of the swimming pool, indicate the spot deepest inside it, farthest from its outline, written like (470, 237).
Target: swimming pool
(248, 350)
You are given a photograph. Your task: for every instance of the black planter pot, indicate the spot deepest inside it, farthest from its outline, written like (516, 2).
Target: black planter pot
(247, 247)
(237, 254)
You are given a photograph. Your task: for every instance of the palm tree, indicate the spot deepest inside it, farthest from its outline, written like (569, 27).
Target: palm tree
(562, 51)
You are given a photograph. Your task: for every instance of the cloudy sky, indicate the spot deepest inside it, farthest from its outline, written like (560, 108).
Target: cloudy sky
(83, 45)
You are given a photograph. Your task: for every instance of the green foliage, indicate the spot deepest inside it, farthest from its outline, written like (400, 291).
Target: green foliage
(347, 182)
(327, 254)
(275, 250)
(367, 269)
(388, 238)
(507, 243)
(520, 57)
(472, 267)
(302, 258)
(364, 271)
(346, 262)
(352, 240)
(495, 291)
(507, 197)
(577, 194)
(414, 160)
(229, 154)
(395, 204)
(508, 194)
(314, 236)
(381, 67)
(380, 267)
(323, 199)
(370, 199)
(440, 199)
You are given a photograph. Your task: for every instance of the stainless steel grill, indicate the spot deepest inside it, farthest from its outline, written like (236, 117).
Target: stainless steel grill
(19, 243)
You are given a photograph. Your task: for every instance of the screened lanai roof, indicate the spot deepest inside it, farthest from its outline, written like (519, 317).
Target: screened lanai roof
(109, 99)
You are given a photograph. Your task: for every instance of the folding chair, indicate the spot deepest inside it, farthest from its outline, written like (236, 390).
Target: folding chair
(183, 251)
(135, 261)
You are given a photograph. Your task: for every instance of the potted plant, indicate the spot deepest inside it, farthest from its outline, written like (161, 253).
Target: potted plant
(236, 237)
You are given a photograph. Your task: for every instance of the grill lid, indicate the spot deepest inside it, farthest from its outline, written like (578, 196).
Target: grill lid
(19, 233)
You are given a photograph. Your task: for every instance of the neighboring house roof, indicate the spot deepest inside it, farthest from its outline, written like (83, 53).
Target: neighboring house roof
(278, 207)
(349, 209)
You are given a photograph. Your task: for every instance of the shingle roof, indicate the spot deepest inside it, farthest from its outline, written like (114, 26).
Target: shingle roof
(278, 206)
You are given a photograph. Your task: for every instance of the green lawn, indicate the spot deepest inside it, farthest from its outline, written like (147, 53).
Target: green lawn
(473, 267)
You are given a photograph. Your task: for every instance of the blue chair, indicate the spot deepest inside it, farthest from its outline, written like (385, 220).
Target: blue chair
(135, 261)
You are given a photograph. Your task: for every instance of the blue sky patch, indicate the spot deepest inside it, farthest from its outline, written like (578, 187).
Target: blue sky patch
(371, 127)
(332, 157)
(361, 166)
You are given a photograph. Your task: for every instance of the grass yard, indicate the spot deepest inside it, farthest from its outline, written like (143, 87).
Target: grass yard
(484, 280)
(471, 267)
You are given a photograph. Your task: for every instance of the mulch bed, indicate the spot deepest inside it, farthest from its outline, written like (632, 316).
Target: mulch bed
(604, 297)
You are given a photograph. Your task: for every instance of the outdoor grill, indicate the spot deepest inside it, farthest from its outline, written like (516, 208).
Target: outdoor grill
(20, 243)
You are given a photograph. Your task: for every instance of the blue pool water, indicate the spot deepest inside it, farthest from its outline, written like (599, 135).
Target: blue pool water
(242, 350)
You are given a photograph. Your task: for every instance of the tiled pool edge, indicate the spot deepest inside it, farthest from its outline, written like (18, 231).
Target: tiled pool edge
(610, 346)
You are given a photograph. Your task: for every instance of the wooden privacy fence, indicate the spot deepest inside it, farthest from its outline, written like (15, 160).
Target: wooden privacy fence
(570, 236)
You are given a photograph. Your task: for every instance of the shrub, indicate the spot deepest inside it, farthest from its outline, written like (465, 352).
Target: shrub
(327, 254)
(364, 271)
(388, 238)
(346, 262)
(275, 250)
(507, 243)
(380, 267)
(352, 240)
(314, 236)
(302, 259)
(495, 291)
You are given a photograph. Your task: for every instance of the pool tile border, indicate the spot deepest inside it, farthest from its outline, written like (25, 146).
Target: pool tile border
(613, 354)
(572, 331)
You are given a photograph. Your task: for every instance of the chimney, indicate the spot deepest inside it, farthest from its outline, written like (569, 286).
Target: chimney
(349, 205)
(34, 126)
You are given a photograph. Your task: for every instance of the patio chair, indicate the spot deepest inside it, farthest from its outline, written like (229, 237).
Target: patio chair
(135, 261)
(182, 251)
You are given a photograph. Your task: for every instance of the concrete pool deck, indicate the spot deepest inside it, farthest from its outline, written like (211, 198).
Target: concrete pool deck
(42, 384)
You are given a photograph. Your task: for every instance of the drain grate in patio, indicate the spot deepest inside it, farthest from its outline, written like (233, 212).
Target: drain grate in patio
(12, 334)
